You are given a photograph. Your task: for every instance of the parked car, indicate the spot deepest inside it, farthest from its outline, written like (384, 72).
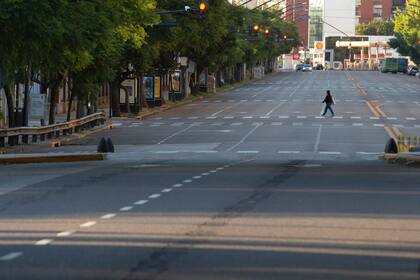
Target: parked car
(307, 68)
(412, 70)
(299, 67)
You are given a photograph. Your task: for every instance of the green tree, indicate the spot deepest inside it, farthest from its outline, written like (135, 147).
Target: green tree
(376, 27)
(407, 28)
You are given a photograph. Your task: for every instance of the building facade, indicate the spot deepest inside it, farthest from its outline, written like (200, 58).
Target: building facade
(368, 10)
(329, 18)
(298, 12)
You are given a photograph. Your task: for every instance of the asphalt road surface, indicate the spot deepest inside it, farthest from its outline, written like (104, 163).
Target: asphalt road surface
(249, 184)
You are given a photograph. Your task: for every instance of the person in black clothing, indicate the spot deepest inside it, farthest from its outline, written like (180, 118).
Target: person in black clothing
(328, 100)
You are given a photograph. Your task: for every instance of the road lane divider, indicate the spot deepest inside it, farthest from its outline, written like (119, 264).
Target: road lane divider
(373, 109)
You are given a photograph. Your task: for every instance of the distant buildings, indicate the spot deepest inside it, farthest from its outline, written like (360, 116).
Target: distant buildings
(368, 10)
(298, 12)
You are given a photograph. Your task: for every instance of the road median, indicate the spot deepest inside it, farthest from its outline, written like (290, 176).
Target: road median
(50, 158)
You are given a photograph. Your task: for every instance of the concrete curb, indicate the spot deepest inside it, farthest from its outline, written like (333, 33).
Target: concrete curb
(52, 158)
(402, 157)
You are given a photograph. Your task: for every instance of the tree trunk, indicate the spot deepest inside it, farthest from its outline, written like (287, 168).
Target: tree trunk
(69, 106)
(9, 100)
(26, 96)
(55, 90)
(115, 99)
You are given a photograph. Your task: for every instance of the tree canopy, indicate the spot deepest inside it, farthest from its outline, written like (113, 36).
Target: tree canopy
(407, 31)
(91, 42)
(376, 27)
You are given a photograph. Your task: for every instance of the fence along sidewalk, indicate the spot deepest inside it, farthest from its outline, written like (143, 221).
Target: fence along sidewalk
(22, 135)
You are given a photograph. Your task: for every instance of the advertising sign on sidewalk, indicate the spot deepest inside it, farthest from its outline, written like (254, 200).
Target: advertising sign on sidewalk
(148, 87)
(157, 89)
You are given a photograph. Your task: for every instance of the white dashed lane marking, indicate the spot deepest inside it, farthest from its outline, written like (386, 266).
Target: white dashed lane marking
(197, 177)
(126, 208)
(65, 233)
(187, 181)
(247, 152)
(166, 190)
(177, 185)
(330, 153)
(88, 224)
(141, 202)
(43, 242)
(154, 196)
(288, 152)
(108, 216)
(11, 256)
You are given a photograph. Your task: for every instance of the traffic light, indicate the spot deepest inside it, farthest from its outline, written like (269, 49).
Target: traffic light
(267, 32)
(285, 37)
(256, 28)
(202, 7)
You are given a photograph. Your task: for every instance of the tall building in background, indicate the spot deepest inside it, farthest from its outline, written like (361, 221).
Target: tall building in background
(330, 18)
(368, 10)
(297, 11)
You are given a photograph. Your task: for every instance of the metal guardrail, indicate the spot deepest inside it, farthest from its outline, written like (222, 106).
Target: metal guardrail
(405, 143)
(22, 135)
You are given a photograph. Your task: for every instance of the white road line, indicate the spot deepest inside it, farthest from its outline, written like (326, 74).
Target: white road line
(392, 118)
(379, 124)
(126, 208)
(205, 152)
(166, 190)
(187, 181)
(297, 124)
(355, 118)
(65, 233)
(247, 152)
(141, 202)
(330, 153)
(175, 134)
(318, 139)
(283, 117)
(43, 242)
(197, 177)
(166, 152)
(237, 124)
(213, 171)
(247, 117)
(205, 174)
(367, 153)
(227, 108)
(88, 224)
(319, 117)
(211, 118)
(154, 196)
(398, 125)
(293, 92)
(245, 137)
(177, 185)
(274, 109)
(410, 119)
(337, 117)
(11, 256)
(288, 152)
(108, 216)
(357, 124)
(277, 123)
(228, 118)
(301, 117)
(374, 118)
